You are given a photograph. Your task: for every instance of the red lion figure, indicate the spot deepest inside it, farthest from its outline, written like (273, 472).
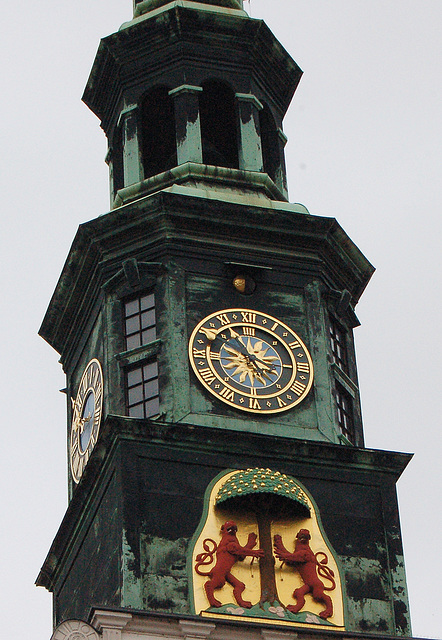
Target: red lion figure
(228, 552)
(308, 565)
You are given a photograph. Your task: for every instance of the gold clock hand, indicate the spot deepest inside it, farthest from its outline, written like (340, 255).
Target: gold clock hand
(262, 369)
(82, 422)
(209, 333)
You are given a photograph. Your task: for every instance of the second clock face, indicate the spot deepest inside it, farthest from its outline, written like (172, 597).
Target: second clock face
(86, 418)
(251, 361)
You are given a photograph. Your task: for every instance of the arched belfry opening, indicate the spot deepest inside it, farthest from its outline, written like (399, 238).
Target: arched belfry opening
(180, 104)
(269, 142)
(218, 125)
(158, 134)
(116, 164)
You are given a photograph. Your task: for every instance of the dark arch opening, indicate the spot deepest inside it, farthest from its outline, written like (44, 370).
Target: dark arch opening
(218, 125)
(117, 162)
(270, 142)
(158, 132)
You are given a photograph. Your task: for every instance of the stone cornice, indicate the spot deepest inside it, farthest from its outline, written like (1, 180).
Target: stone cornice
(172, 223)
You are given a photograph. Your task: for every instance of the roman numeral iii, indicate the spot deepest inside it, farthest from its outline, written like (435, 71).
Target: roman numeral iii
(298, 387)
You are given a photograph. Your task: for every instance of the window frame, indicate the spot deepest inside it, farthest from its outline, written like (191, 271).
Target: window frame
(142, 352)
(141, 332)
(146, 399)
(345, 413)
(338, 341)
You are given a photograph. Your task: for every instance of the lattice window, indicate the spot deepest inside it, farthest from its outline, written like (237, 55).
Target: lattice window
(139, 319)
(338, 343)
(143, 391)
(344, 404)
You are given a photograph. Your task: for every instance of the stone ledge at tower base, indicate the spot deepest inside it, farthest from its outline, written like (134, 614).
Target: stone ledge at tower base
(124, 624)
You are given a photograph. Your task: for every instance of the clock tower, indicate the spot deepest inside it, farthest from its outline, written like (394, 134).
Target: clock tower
(218, 479)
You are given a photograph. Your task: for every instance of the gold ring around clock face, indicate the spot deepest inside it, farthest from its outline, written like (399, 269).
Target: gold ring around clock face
(86, 418)
(251, 361)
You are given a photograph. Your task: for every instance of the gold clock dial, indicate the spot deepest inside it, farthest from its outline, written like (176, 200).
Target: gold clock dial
(251, 361)
(86, 418)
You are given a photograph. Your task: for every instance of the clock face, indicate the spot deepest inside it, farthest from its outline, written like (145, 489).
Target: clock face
(251, 361)
(86, 418)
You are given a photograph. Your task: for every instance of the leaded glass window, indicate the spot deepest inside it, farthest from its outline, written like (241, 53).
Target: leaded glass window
(338, 343)
(344, 404)
(140, 321)
(142, 390)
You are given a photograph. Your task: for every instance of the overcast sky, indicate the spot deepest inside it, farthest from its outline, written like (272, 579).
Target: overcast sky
(364, 146)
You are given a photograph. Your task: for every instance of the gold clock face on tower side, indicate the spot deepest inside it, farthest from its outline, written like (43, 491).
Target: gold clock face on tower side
(86, 418)
(251, 361)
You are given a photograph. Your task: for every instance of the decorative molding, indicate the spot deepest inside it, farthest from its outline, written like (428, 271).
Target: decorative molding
(74, 630)
(131, 271)
(205, 173)
(196, 630)
(246, 265)
(272, 634)
(282, 136)
(249, 97)
(135, 274)
(345, 380)
(144, 352)
(111, 623)
(340, 303)
(344, 302)
(185, 88)
(148, 8)
(126, 112)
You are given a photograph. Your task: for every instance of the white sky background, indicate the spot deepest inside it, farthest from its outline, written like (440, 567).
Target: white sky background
(364, 146)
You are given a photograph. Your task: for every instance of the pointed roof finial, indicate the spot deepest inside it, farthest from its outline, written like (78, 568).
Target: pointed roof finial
(143, 6)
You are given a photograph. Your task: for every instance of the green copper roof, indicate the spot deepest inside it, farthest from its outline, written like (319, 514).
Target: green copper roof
(258, 481)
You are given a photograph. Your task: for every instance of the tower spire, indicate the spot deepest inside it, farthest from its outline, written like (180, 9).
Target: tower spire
(204, 108)
(205, 326)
